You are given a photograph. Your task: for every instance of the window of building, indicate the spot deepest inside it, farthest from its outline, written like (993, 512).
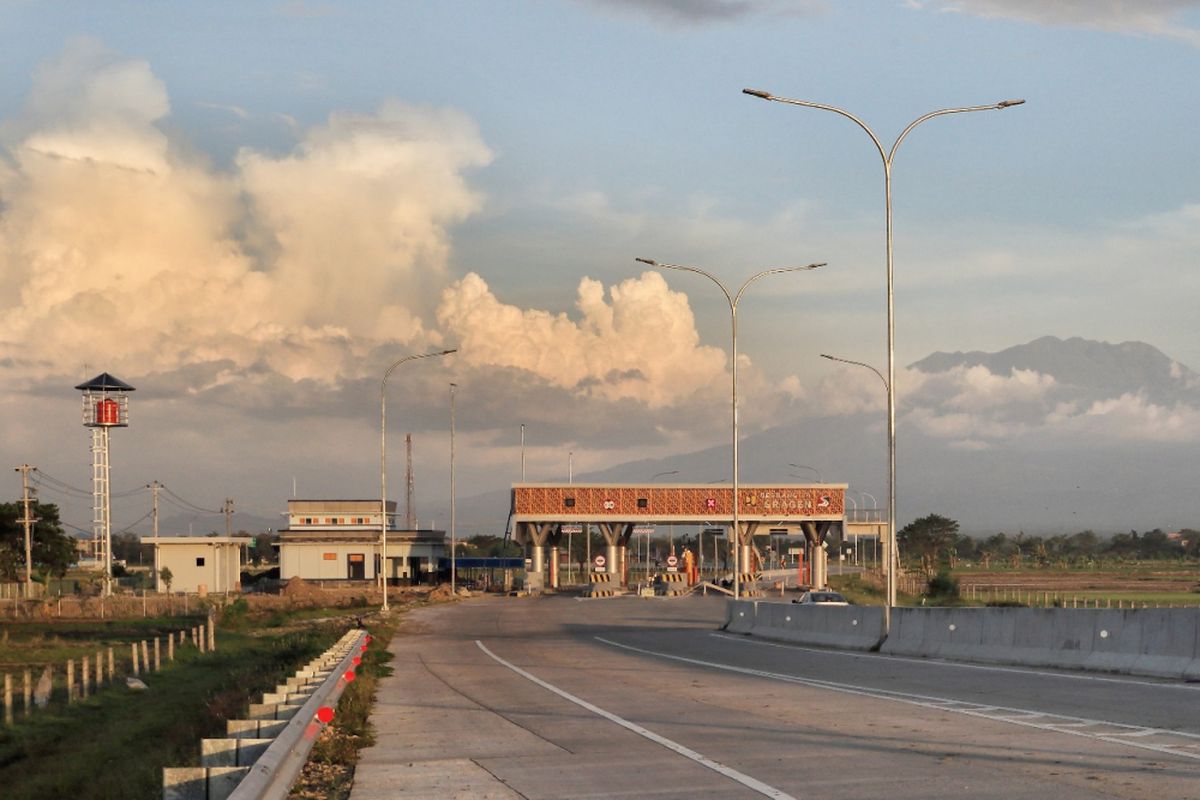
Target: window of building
(200, 561)
(643, 502)
(569, 502)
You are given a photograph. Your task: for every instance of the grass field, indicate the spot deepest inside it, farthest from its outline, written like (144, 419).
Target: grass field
(115, 743)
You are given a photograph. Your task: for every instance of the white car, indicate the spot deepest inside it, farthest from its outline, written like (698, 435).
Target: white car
(822, 598)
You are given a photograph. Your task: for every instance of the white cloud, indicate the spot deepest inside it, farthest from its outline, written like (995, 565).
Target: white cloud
(638, 343)
(118, 247)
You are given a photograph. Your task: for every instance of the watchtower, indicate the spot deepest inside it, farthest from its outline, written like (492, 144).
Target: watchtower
(105, 405)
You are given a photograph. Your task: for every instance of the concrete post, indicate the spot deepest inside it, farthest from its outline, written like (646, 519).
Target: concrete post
(100, 670)
(84, 677)
(170, 647)
(70, 680)
(212, 632)
(111, 666)
(134, 657)
(145, 656)
(27, 694)
(157, 655)
(8, 699)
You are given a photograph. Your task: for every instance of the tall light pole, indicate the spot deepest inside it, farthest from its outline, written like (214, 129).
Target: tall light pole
(892, 552)
(733, 300)
(887, 156)
(522, 452)
(570, 466)
(383, 464)
(453, 520)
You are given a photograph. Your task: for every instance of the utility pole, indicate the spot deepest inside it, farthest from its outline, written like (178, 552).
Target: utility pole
(154, 486)
(410, 507)
(453, 521)
(27, 520)
(227, 509)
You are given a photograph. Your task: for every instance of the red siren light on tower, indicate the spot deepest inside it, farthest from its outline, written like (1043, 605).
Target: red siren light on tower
(105, 402)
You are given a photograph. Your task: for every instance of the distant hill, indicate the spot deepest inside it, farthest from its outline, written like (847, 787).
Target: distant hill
(1099, 369)
(1029, 466)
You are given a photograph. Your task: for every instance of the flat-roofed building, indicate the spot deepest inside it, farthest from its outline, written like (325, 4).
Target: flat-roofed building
(199, 564)
(340, 540)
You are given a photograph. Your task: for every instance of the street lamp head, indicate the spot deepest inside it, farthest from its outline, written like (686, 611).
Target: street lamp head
(826, 355)
(758, 93)
(1007, 103)
(448, 352)
(649, 261)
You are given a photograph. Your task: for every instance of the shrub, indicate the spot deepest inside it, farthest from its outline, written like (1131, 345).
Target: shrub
(943, 585)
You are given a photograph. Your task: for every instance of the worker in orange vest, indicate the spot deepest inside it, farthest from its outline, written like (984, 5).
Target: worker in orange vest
(689, 567)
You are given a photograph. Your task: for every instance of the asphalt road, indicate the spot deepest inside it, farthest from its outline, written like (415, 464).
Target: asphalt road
(564, 698)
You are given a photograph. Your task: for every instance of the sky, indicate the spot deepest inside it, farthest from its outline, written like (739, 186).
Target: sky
(249, 210)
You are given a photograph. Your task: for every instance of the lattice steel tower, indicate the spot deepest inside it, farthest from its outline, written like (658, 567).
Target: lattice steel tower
(105, 405)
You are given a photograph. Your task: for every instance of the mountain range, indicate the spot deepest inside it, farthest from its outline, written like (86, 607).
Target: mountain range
(1055, 435)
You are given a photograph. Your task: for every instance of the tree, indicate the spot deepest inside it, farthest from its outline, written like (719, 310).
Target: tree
(166, 577)
(53, 551)
(931, 538)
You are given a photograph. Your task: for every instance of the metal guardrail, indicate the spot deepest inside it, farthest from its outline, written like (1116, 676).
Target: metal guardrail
(289, 715)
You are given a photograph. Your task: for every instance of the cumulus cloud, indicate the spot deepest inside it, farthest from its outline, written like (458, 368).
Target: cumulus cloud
(278, 286)
(639, 342)
(1140, 17)
(119, 247)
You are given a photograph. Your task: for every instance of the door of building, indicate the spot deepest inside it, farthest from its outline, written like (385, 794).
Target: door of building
(357, 566)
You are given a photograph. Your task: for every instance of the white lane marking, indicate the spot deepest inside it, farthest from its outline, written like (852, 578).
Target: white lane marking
(1187, 687)
(728, 772)
(1055, 722)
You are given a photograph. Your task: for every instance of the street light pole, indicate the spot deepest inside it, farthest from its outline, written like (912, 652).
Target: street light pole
(887, 156)
(733, 300)
(453, 521)
(383, 464)
(522, 452)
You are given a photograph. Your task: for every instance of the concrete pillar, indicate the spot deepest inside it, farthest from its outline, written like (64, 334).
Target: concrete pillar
(554, 567)
(611, 555)
(538, 557)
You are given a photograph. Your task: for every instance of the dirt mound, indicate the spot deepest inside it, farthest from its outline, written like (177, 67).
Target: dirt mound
(442, 592)
(299, 589)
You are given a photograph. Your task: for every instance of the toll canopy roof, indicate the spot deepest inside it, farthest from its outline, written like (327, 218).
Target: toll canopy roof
(105, 383)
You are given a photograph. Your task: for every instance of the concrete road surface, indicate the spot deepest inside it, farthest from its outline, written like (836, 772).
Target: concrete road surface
(565, 698)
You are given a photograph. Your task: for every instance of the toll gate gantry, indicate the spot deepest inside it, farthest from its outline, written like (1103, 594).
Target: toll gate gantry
(540, 510)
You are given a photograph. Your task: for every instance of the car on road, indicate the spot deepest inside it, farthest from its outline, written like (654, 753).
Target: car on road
(824, 598)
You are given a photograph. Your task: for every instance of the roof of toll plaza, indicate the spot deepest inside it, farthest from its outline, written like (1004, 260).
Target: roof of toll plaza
(676, 503)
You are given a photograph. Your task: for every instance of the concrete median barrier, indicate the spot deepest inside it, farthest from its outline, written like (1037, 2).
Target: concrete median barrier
(845, 627)
(1157, 642)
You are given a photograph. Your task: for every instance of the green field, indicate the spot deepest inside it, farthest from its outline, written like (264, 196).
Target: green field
(115, 743)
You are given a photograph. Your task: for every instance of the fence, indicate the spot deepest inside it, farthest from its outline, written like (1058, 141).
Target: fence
(83, 677)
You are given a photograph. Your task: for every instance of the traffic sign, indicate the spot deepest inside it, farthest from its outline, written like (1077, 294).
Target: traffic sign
(599, 561)
(672, 563)
(570, 528)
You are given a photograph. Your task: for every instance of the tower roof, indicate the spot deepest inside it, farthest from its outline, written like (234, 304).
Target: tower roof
(105, 383)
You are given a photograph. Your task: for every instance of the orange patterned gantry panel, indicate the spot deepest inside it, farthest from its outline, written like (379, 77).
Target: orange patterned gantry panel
(551, 501)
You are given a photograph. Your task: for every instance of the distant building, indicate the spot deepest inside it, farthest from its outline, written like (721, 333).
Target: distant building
(199, 564)
(340, 540)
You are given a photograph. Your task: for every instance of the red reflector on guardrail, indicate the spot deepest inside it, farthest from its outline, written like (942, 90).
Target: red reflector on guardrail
(349, 676)
(325, 714)
(356, 660)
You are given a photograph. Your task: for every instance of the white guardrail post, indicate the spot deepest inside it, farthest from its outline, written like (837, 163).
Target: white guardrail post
(292, 714)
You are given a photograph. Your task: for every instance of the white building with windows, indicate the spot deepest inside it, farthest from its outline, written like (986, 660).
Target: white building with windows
(199, 564)
(340, 540)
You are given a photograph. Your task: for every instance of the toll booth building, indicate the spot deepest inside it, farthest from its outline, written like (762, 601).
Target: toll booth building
(341, 540)
(198, 564)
